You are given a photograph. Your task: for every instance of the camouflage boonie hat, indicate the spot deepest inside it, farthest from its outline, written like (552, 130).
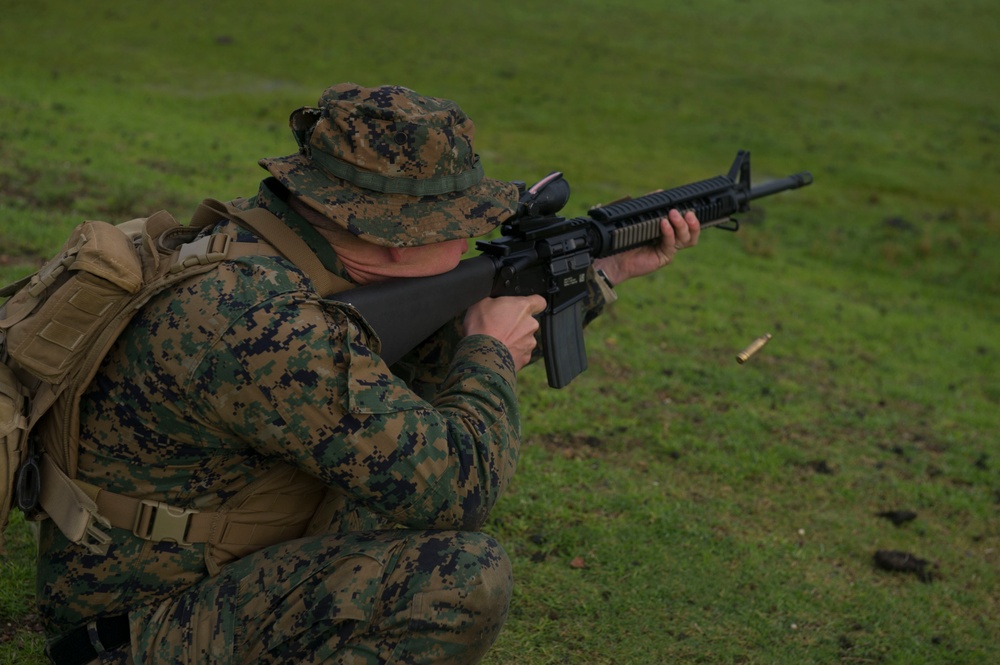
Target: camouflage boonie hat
(392, 167)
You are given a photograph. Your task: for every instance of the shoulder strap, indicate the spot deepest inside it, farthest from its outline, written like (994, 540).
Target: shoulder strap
(281, 237)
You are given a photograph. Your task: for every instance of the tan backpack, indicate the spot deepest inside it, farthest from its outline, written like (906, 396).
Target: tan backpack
(55, 329)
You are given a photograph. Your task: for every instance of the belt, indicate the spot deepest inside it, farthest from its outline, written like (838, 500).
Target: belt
(86, 643)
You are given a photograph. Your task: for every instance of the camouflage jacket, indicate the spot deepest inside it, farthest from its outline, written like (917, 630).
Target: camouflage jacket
(220, 379)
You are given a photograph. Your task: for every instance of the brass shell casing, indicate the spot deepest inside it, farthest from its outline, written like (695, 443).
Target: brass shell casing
(754, 347)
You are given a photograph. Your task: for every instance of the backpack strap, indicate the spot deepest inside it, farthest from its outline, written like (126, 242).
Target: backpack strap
(275, 232)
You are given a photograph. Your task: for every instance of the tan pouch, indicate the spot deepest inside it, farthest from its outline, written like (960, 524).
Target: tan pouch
(97, 271)
(13, 444)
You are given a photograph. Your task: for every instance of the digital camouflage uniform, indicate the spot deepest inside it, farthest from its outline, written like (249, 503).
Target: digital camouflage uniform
(244, 372)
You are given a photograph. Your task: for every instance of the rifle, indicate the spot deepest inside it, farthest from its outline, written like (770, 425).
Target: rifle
(542, 253)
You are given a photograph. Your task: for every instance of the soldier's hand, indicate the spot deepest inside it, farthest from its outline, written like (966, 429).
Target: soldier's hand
(678, 232)
(509, 319)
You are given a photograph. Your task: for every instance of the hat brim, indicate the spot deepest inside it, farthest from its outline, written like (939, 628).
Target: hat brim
(396, 220)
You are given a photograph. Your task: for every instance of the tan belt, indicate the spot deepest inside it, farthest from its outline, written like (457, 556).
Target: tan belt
(154, 520)
(83, 512)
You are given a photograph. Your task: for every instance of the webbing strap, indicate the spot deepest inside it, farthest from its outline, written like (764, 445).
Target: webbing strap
(432, 186)
(278, 234)
(72, 509)
(156, 520)
(324, 252)
(84, 512)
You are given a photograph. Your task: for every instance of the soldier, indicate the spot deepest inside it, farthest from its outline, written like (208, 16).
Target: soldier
(277, 493)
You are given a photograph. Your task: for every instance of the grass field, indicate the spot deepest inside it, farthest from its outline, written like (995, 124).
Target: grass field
(670, 505)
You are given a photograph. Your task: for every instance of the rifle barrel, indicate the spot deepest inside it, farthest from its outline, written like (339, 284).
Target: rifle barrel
(773, 187)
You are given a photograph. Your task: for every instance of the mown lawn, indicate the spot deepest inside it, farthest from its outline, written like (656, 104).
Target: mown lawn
(671, 505)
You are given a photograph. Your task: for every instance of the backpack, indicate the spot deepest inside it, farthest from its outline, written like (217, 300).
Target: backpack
(57, 326)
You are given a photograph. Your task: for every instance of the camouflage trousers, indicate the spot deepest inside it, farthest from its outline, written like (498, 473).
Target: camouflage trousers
(360, 598)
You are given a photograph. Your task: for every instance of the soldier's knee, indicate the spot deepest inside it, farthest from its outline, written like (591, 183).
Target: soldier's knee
(491, 596)
(465, 596)
(471, 567)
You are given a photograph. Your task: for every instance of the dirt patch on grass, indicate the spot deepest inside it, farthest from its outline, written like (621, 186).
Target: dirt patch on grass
(576, 446)
(903, 562)
(10, 628)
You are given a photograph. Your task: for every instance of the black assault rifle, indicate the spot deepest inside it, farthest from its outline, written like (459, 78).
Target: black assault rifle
(542, 253)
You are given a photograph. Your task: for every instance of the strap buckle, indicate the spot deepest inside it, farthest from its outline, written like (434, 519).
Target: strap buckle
(203, 251)
(158, 521)
(95, 540)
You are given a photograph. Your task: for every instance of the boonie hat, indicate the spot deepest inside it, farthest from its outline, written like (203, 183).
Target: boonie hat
(393, 167)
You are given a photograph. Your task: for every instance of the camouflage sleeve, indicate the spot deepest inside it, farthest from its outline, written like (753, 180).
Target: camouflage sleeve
(299, 381)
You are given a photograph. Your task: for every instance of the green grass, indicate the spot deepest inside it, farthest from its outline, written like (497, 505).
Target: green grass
(722, 513)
